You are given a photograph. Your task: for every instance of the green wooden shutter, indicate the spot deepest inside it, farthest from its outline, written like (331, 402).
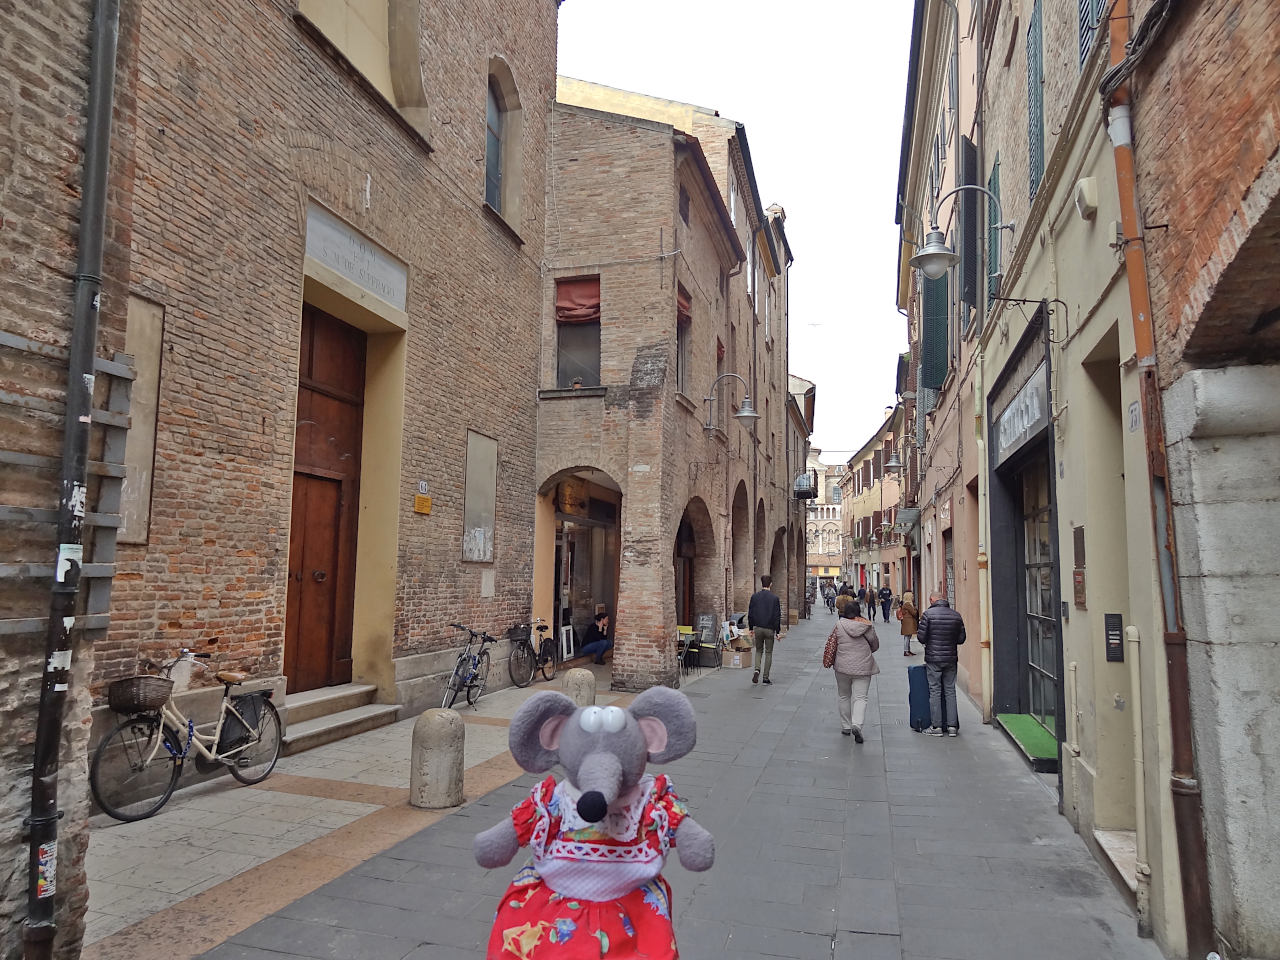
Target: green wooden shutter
(1035, 98)
(933, 362)
(993, 235)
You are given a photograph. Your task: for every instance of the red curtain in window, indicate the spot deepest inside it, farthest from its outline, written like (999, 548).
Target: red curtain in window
(684, 305)
(578, 300)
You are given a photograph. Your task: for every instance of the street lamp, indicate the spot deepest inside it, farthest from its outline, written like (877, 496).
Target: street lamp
(746, 414)
(935, 257)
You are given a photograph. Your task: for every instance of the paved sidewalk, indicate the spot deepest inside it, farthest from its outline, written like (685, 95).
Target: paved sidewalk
(905, 847)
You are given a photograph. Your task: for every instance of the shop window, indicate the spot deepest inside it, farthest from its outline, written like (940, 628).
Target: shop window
(578, 332)
(684, 348)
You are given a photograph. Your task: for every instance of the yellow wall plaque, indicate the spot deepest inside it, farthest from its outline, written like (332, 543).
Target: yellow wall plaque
(421, 504)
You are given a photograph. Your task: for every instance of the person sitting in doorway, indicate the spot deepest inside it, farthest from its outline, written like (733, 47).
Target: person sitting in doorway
(597, 639)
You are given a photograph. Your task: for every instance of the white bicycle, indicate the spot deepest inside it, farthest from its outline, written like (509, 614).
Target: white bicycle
(136, 766)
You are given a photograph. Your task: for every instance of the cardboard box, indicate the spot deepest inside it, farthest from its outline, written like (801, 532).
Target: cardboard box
(738, 658)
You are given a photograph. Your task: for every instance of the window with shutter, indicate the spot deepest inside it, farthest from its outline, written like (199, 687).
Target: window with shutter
(993, 236)
(1091, 13)
(970, 252)
(877, 464)
(1035, 98)
(933, 360)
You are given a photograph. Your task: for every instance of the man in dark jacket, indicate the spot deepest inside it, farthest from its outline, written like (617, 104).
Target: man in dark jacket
(941, 630)
(764, 617)
(886, 598)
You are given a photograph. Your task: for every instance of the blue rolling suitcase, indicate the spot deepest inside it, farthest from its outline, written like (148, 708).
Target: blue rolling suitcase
(918, 697)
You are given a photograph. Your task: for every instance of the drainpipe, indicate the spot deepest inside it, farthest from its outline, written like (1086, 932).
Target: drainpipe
(1188, 811)
(984, 575)
(1142, 867)
(42, 825)
(1073, 731)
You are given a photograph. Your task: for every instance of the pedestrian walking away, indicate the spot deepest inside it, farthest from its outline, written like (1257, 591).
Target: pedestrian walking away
(842, 600)
(941, 630)
(909, 617)
(850, 651)
(764, 617)
(886, 600)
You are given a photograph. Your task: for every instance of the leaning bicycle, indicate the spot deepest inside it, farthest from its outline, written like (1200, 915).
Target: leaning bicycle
(525, 659)
(136, 766)
(471, 670)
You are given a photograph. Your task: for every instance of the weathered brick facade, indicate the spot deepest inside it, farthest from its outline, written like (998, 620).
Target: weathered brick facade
(1206, 136)
(232, 146)
(616, 213)
(1206, 122)
(43, 102)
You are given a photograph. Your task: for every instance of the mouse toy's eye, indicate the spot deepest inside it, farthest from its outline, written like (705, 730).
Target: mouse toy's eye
(614, 720)
(591, 720)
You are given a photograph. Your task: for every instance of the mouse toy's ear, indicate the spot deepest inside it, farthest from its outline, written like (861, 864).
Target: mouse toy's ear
(535, 730)
(667, 720)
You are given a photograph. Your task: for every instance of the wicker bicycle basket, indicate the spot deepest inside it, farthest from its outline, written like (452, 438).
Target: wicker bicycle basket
(138, 694)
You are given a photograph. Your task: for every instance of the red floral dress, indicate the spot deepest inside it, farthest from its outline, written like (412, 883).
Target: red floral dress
(592, 890)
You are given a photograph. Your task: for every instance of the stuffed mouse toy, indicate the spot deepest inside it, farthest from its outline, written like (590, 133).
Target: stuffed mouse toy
(600, 836)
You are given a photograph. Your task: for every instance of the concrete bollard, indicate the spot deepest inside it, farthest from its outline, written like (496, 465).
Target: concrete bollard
(435, 778)
(579, 685)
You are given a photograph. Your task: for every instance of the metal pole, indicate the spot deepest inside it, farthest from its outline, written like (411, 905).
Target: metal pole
(42, 825)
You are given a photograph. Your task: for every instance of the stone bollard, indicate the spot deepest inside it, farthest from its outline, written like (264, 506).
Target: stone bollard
(580, 686)
(435, 778)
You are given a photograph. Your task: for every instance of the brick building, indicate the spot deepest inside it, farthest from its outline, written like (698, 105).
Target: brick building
(44, 97)
(666, 277)
(324, 239)
(1205, 95)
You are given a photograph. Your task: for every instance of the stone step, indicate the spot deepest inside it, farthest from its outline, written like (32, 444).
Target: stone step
(337, 726)
(326, 700)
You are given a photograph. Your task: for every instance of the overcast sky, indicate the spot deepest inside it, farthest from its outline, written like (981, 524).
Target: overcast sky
(820, 87)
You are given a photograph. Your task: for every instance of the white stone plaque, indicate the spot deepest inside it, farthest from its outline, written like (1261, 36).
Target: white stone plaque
(350, 253)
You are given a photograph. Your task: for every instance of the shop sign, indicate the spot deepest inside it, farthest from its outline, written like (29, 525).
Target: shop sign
(357, 258)
(1026, 415)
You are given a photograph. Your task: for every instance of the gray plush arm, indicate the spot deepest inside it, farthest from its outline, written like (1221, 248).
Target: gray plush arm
(496, 846)
(697, 848)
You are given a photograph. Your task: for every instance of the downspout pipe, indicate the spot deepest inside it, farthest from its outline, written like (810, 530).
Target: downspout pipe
(1188, 806)
(42, 824)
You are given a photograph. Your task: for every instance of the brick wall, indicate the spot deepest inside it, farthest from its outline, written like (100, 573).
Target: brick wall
(613, 210)
(43, 101)
(1206, 135)
(230, 144)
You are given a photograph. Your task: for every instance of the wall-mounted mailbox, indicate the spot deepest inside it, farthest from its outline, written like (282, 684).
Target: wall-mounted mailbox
(1113, 627)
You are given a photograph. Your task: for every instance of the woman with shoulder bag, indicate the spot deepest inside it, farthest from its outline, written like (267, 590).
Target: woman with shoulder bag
(850, 651)
(909, 614)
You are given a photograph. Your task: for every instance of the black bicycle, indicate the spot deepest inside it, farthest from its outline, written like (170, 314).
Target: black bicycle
(526, 659)
(471, 671)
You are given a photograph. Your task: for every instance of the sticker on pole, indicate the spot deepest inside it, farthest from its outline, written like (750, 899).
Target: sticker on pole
(47, 870)
(69, 554)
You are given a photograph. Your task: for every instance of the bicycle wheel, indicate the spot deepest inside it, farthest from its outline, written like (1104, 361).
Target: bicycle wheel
(549, 659)
(133, 774)
(456, 681)
(475, 689)
(258, 759)
(521, 664)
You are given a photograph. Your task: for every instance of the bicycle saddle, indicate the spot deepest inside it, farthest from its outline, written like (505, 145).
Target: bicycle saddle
(232, 676)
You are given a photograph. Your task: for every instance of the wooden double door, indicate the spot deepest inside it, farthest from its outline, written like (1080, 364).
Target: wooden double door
(326, 498)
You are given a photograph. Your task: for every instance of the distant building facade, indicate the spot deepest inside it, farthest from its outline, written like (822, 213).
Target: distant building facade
(666, 277)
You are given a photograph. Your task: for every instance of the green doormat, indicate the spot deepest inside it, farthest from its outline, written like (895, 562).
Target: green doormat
(1036, 742)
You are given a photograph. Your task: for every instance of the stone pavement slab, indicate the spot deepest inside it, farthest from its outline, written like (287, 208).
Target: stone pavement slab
(902, 848)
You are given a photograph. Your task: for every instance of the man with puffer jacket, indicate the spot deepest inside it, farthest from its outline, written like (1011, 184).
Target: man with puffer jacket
(941, 630)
